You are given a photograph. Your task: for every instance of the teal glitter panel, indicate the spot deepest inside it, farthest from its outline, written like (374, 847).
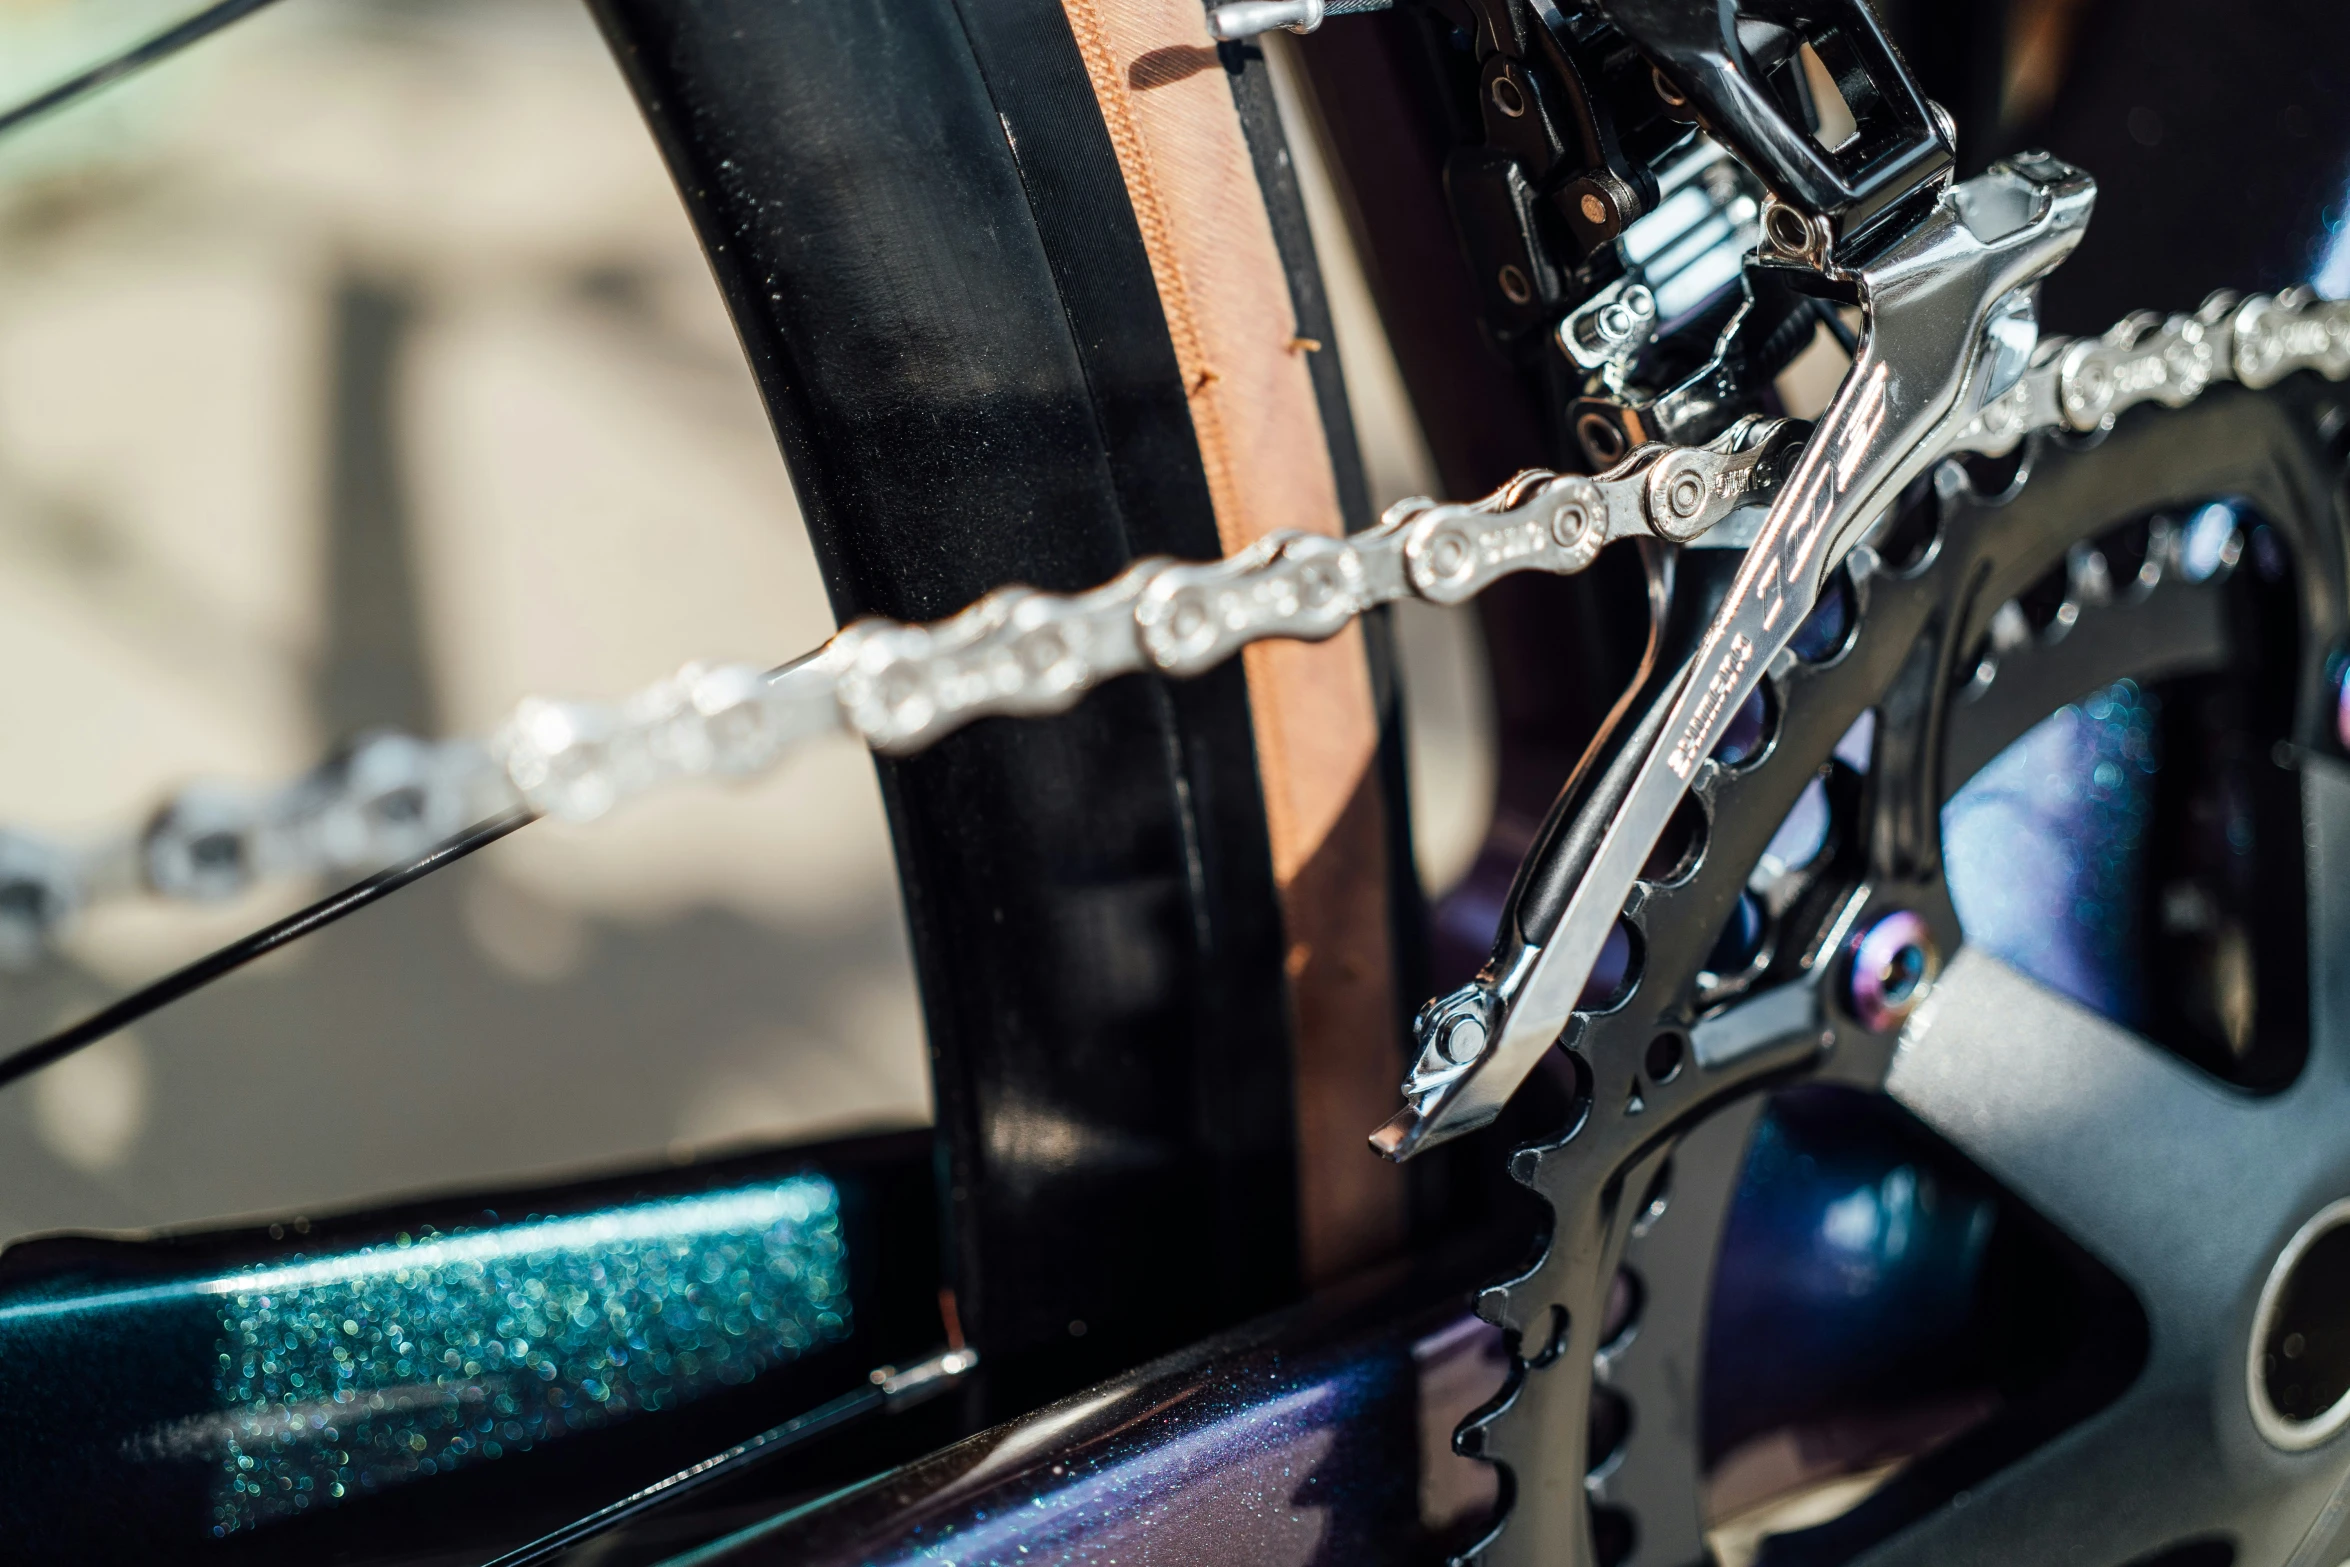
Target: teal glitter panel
(342, 1375)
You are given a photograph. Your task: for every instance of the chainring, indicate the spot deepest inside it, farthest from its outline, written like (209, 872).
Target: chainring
(2047, 1096)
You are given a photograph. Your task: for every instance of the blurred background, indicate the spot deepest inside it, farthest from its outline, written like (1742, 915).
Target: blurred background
(358, 368)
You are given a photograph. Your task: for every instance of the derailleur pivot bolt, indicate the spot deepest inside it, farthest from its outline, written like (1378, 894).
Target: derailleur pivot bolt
(1462, 1040)
(1793, 233)
(1894, 964)
(1453, 1030)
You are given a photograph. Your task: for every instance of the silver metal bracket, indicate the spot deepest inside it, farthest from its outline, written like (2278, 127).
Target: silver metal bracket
(1943, 306)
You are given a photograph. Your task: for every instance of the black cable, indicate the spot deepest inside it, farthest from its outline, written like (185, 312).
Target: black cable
(180, 982)
(168, 42)
(1836, 327)
(772, 1443)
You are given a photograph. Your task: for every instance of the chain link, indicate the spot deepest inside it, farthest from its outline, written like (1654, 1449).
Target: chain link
(2077, 385)
(898, 687)
(2083, 385)
(1021, 652)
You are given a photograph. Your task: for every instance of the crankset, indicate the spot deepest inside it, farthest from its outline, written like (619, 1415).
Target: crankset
(1749, 883)
(1804, 920)
(1989, 758)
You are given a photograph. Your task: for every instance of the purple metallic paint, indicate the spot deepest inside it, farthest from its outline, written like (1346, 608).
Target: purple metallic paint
(1301, 1448)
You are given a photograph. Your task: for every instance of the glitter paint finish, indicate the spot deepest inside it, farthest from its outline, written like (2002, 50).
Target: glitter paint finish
(2043, 849)
(1255, 1467)
(341, 1375)
(1261, 1454)
(351, 1373)
(1242, 1473)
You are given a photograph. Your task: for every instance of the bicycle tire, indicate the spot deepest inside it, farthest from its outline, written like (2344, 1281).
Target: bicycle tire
(969, 285)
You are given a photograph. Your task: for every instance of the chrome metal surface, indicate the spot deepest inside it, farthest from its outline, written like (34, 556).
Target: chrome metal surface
(2186, 1187)
(1251, 17)
(1608, 329)
(1922, 373)
(1248, 18)
(1021, 652)
(2084, 385)
(898, 687)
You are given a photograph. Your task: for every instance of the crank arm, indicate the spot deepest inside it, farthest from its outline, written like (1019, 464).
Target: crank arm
(1947, 328)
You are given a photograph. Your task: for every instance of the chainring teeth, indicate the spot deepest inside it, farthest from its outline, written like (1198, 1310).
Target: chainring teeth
(1978, 669)
(1605, 1047)
(1720, 791)
(1716, 788)
(1958, 510)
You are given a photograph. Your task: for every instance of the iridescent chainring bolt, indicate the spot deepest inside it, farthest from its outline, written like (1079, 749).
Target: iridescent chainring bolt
(1894, 964)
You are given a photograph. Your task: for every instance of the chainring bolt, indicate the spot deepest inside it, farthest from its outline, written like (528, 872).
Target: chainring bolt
(1894, 964)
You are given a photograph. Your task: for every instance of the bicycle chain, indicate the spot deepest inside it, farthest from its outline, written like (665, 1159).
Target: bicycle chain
(898, 687)
(2075, 385)
(1021, 652)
